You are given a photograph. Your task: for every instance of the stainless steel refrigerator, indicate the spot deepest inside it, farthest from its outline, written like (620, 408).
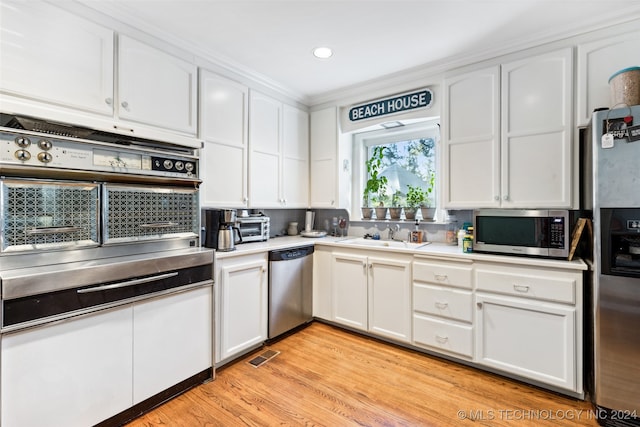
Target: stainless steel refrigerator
(616, 261)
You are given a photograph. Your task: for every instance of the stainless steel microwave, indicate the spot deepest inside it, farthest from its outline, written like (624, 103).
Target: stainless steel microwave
(543, 233)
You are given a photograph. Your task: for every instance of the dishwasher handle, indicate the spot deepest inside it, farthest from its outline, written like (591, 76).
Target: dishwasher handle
(290, 253)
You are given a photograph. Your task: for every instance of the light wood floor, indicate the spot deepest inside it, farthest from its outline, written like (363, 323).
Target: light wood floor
(325, 376)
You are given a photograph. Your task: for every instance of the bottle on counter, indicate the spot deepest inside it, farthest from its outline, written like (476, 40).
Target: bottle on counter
(452, 230)
(467, 241)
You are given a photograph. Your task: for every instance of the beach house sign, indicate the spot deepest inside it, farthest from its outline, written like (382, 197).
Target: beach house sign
(392, 105)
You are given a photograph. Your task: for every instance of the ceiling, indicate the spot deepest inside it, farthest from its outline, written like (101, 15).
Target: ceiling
(273, 39)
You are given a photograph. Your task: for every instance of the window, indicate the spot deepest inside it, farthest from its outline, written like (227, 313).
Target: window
(408, 157)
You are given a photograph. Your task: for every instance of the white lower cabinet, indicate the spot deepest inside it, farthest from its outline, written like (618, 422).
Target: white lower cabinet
(529, 323)
(84, 370)
(372, 293)
(241, 305)
(173, 340)
(442, 306)
(74, 373)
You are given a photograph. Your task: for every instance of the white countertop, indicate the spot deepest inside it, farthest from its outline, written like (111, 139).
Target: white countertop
(431, 250)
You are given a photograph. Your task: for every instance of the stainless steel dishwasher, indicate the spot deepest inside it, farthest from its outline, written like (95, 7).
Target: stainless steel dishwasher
(290, 292)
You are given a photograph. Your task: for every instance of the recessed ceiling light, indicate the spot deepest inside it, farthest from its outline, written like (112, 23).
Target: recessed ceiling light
(322, 52)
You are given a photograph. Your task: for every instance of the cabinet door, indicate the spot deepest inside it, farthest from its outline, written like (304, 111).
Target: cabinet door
(74, 373)
(390, 298)
(295, 157)
(264, 156)
(471, 136)
(349, 281)
(597, 62)
(243, 305)
(537, 131)
(72, 68)
(324, 158)
(223, 126)
(531, 339)
(173, 340)
(156, 88)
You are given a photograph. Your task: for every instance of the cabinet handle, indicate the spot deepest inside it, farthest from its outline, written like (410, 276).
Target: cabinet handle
(479, 304)
(108, 101)
(521, 288)
(442, 305)
(125, 105)
(333, 202)
(442, 340)
(245, 200)
(441, 277)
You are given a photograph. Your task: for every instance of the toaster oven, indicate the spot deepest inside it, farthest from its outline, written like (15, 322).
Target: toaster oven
(253, 228)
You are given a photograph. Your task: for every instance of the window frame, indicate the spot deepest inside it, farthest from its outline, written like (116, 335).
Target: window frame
(364, 139)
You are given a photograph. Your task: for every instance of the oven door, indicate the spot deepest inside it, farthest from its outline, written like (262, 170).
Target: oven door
(38, 215)
(134, 213)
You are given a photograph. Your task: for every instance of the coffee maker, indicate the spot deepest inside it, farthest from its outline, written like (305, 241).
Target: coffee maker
(221, 232)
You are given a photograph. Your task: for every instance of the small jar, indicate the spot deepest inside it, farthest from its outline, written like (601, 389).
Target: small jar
(293, 229)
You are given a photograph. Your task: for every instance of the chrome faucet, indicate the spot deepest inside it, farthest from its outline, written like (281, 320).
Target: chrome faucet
(393, 230)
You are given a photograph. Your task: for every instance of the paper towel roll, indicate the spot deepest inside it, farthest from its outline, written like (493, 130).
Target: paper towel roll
(308, 220)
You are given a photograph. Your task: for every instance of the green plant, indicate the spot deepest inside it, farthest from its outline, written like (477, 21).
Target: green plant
(376, 185)
(415, 196)
(396, 198)
(431, 184)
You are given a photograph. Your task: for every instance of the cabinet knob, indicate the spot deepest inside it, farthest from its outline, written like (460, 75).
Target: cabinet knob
(479, 304)
(245, 200)
(496, 198)
(108, 101)
(125, 105)
(506, 197)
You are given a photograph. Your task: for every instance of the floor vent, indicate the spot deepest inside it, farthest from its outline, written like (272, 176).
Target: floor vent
(263, 358)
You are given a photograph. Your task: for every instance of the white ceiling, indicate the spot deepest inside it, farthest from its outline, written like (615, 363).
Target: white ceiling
(370, 38)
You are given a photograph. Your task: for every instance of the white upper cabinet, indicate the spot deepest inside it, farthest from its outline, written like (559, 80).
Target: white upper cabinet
(278, 154)
(295, 157)
(264, 159)
(324, 158)
(471, 135)
(51, 55)
(156, 88)
(223, 127)
(597, 62)
(508, 135)
(537, 131)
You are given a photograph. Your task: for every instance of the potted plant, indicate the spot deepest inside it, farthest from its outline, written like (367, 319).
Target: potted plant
(396, 205)
(376, 185)
(428, 212)
(416, 197)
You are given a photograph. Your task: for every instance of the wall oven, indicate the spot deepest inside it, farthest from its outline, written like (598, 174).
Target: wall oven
(92, 222)
(543, 233)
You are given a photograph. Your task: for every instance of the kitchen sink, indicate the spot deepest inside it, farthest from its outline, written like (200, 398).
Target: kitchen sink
(396, 244)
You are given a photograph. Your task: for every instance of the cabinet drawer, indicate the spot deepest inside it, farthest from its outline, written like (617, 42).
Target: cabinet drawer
(543, 285)
(442, 273)
(443, 301)
(442, 335)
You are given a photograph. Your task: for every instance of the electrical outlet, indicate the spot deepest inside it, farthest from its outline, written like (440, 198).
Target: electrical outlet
(633, 224)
